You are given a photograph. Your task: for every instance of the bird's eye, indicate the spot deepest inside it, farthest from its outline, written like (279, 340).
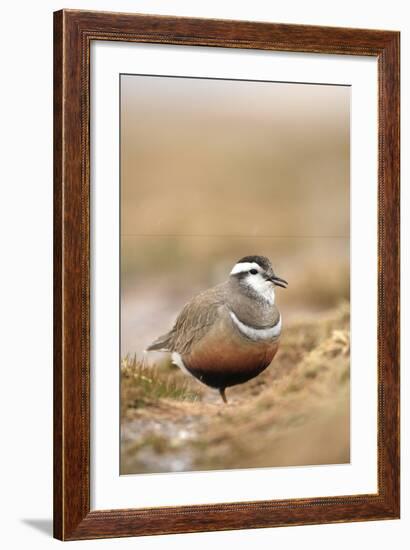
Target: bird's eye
(253, 271)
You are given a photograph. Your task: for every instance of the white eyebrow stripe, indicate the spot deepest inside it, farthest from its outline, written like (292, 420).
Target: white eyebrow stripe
(241, 267)
(257, 334)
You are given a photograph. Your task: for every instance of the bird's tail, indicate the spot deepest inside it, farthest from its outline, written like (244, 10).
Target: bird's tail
(161, 344)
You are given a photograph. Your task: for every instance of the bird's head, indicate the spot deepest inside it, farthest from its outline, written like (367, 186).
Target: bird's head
(255, 274)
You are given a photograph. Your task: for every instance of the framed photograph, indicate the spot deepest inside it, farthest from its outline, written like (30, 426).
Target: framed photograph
(226, 275)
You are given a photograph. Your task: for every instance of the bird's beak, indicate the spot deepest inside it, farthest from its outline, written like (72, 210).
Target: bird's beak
(277, 281)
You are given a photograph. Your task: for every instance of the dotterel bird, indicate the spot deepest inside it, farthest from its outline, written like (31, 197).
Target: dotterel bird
(230, 333)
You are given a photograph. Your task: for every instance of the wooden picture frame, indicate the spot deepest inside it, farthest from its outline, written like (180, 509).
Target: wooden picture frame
(74, 32)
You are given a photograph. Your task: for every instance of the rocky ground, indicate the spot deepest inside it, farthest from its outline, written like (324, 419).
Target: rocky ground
(295, 413)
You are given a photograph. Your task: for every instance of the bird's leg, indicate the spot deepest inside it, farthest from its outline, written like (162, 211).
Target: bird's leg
(222, 392)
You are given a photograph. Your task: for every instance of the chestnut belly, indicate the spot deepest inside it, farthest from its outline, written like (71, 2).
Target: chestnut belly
(221, 362)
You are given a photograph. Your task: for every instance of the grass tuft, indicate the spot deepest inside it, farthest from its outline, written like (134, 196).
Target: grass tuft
(142, 385)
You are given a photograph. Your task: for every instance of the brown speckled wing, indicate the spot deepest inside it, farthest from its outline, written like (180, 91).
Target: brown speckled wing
(195, 320)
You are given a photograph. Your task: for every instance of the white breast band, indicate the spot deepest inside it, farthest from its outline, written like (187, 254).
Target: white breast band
(258, 333)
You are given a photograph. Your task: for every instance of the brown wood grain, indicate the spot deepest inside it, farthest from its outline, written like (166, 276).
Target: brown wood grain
(73, 32)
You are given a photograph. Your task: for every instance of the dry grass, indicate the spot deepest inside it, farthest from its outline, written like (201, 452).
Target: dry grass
(296, 412)
(142, 386)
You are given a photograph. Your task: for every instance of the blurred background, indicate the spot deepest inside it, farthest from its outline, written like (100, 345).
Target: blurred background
(213, 170)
